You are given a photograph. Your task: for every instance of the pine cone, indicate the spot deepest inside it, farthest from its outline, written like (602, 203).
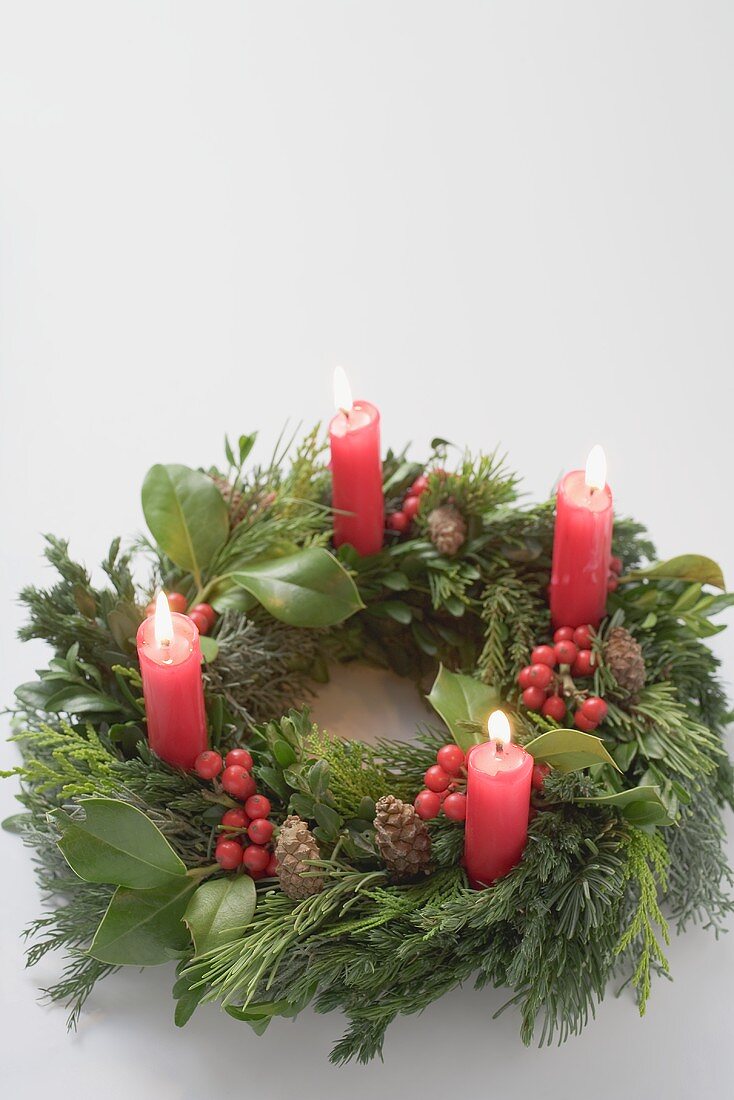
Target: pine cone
(296, 844)
(447, 529)
(623, 657)
(403, 839)
(232, 498)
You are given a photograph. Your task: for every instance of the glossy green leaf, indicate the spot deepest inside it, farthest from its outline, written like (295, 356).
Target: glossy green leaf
(220, 910)
(687, 567)
(81, 700)
(118, 844)
(462, 699)
(209, 648)
(186, 515)
(307, 589)
(639, 805)
(144, 927)
(569, 750)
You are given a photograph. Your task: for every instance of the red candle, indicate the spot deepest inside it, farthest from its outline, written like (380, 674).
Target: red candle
(170, 664)
(356, 471)
(497, 804)
(582, 545)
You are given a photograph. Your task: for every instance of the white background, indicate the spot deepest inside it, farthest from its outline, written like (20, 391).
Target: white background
(512, 222)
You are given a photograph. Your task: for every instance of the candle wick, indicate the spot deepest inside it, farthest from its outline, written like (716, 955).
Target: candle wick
(500, 746)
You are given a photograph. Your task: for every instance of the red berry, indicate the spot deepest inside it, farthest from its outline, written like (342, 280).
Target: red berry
(207, 611)
(436, 779)
(563, 634)
(419, 486)
(272, 868)
(450, 758)
(533, 698)
(239, 756)
(554, 707)
(594, 709)
(583, 723)
(540, 676)
(260, 831)
(615, 564)
(427, 805)
(523, 677)
(584, 663)
(566, 653)
(583, 636)
(398, 521)
(201, 621)
(208, 764)
(543, 655)
(256, 859)
(177, 602)
(228, 853)
(235, 819)
(257, 806)
(454, 806)
(540, 771)
(612, 583)
(410, 507)
(239, 783)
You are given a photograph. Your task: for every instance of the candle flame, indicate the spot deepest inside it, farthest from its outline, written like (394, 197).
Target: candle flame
(162, 622)
(499, 728)
(596, 468)
(342, 390)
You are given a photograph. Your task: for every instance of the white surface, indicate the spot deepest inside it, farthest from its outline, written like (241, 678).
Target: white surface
(511, 222)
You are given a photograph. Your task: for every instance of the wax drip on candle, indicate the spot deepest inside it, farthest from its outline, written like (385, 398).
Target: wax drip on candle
(498, 727)
(596, 469)
(342, 392)
(162, 622)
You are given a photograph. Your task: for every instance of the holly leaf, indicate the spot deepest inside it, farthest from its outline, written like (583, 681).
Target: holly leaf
(640, 805)
(307, 589)
(686, 567)
(144, 927)
(186, 515)
(463, 703)
(569, 750)
(116, 843)
(209, 648)
(219, 911)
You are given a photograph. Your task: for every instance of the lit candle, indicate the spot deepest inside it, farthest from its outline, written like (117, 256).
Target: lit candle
(582, 545)
(170, 664)
(356, 471)
(497, 804)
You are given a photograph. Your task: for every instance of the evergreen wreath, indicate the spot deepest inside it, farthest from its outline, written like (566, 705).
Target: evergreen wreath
(369, 911)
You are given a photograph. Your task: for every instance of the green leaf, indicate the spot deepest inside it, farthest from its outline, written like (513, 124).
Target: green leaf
(687, 567)
(81, 700)
(569, 750)
(118, 844)
(308, 589)
(186, 515)
(329, 820)
(144, 927)
(15, 823)
(35, 693)
(462, 699)
(219, 911)
(209, 648)
(640, 805)
(392, 609)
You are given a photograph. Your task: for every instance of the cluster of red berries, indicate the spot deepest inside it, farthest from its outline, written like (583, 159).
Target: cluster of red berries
(547, 682)
(246, 830)
(203, 614)
(615, 569)
(401, 520)
(443, 781)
